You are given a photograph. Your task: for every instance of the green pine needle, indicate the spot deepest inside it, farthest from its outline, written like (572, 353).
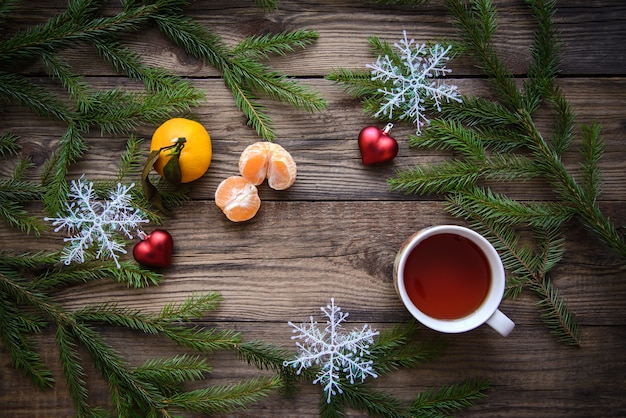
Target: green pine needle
(72, 368)
(263, 46)
(193, 306)
(402, 347)
(592, 150)
(444, 177)
(16, 89)
(355, 82)
(484, 204)
(220, 399)
(9, 145)
(127, 273)
(444, 401)
(555, 314)
(174, 370)
(367, 399)
(15, 336)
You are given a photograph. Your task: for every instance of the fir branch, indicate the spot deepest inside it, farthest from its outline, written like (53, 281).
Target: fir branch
(563, 133)
(478, 111)
(127, 62)
(444, 177)
(131, 160)
(366, 399)
(444, 401)
(118, 111)
(477, 24)
(72, 146)
(400, 347)
(15, 88)
(483, 203)
(571, 192)
(19, 190)
(278, 87)
(9, 144)
(128, 273)
(114, 368)
(261, 47)
(73, 26)
(592, 149)
(544, 66)
(444, 134)
(76, 87)
(357, 83)
(14, 334)
(14, 193)
(555, 313)
(28, 261)
(199, 339)
(219, 399)
(271, 357)
(72, 369)
(267, 356)
(193, 306)
(173, 371)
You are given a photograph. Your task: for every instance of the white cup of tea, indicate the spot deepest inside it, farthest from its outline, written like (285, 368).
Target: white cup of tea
(451, 279)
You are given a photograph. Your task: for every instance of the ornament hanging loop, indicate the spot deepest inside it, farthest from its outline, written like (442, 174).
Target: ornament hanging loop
(387, 128)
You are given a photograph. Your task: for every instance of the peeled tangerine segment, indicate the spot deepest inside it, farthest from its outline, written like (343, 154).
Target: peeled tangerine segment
(254, 161)
(263, 160)
(238, 198)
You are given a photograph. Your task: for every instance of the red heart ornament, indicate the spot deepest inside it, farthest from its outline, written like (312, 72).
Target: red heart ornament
(155, 249)
(376, 145)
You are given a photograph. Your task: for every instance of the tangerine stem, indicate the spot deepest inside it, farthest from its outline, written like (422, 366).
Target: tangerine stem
(178, 145)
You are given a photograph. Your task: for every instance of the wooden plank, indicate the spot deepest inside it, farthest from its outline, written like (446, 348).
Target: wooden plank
(324, 144)
(549, 380)
(293, 256)
(346, 25)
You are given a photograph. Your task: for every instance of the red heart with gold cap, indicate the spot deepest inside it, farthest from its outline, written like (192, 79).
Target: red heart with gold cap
(376, 145)
(155, 249)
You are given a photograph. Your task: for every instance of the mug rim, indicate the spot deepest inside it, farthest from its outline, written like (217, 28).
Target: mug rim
(488, 306)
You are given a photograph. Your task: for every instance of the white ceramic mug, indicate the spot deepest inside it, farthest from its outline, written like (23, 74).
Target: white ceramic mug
(487, 312)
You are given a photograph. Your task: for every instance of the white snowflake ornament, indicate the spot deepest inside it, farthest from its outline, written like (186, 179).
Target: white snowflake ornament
(339, 353)
(416, 80)
(91, 221)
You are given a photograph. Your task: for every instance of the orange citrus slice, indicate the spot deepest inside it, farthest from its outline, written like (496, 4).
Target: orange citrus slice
(263, 160)
(253, 162)
(238, 198)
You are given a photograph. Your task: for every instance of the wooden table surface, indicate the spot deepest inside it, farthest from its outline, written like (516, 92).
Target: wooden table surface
(335, 233)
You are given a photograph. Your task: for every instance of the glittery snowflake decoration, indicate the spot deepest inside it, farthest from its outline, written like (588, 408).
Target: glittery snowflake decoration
(337, 352)
(413, 82)
(90, 221)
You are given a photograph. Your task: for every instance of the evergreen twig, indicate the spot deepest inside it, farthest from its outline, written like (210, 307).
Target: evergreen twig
(443, 401)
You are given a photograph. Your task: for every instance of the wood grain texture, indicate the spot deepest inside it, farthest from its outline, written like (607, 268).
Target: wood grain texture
(336, 231)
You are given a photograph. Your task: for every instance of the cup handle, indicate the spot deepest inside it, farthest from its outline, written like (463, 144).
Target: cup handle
(501, 323)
